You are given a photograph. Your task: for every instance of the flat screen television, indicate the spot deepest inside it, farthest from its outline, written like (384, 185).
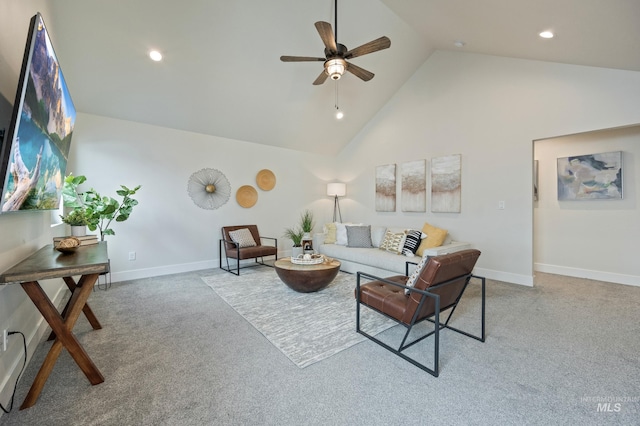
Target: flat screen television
(35, 147)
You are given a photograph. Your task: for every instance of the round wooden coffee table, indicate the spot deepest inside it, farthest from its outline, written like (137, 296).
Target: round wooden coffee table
(306, 278)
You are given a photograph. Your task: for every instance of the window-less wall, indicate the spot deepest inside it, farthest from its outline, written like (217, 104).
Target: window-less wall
(488, 109)
(596, 238)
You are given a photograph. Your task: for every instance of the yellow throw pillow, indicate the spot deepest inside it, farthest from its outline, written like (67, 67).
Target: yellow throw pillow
(435, 238)
(330, 229)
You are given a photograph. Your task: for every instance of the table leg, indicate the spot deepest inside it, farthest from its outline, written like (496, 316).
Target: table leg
(85, 309)
(62, 327)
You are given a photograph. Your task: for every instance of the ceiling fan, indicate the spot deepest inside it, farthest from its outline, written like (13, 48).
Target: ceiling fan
(336, 54)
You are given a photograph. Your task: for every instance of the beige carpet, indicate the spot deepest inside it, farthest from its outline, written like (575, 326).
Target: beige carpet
(306, 327)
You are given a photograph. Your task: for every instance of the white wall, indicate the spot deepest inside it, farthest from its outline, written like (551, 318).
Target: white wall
(168, 232)
(594, 239)
(489, 110)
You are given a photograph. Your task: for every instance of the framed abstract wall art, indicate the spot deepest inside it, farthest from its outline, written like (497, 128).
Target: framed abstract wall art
(413, 176)
(590, 177)
(446, 186)
(386, 188)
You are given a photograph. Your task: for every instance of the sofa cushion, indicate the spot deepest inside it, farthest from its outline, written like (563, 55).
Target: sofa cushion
(359, 236)
(435, 238)
(242, 237)
(365, 256)
(330, 231)
(412, 242)
(393, 242)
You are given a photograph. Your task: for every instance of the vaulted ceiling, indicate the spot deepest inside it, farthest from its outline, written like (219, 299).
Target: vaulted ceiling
(221, 73)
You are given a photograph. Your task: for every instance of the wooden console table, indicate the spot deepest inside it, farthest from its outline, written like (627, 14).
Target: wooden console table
(88, 262)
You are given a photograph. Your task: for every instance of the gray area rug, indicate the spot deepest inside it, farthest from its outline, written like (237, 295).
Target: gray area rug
(306, 327)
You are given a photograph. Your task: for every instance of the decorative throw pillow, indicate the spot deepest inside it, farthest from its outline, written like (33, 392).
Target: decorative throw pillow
(412, 242)
(359, 236)
(341, 234)
(330, 231)
(393, 242)
(435, 238)
(416, 273)
(377, 235)
(242, 237)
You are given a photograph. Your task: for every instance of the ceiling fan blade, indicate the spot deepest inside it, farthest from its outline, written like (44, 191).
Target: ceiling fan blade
(326, 34)
(373, 46)
(321, 78)
(300, 59)
(359, 72)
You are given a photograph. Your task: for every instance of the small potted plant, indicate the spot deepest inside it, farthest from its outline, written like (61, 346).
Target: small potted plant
(295, 235)
(78, 219)
(100, 210)
(306, 224)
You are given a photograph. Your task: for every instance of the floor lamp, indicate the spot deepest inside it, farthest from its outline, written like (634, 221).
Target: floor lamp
(336, 190)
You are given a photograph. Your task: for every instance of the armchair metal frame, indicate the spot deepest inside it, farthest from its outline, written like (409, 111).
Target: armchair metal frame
(433, 318)
(237, 268)
(229, 247)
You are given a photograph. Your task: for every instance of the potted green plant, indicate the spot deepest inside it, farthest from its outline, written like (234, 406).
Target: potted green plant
(295, 235)
(78, 219)
(306, 223)
(100, 210)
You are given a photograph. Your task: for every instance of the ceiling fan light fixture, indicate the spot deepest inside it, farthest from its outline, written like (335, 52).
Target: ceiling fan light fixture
(335, 68)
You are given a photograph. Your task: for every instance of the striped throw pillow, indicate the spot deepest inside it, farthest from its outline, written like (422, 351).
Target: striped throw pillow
(412, 242)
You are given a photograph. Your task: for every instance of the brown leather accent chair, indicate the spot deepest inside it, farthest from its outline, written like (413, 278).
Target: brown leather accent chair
(438, 288)
(234, 251)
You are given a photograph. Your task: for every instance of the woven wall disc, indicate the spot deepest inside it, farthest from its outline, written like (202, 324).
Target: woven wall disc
(247, 196)
(266, 180)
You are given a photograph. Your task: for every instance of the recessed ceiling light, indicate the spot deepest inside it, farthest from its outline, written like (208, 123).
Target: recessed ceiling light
(459, 43)
(546, 34)
(155, 55)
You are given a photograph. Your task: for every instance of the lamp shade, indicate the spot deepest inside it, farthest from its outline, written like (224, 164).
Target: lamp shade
(338, 189)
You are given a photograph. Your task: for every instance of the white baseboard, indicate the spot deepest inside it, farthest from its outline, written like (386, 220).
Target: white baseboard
(506, 277)
(135, 274)
(611, 277)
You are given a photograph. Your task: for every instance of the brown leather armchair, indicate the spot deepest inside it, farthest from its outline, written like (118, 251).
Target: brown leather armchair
(235, 249)
(439, 286)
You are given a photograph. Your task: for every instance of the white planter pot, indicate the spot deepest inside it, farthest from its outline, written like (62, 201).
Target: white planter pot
(79, 231)
(295, 251)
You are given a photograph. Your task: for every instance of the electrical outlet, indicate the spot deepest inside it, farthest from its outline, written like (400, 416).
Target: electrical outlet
(132, 255)
(5, 337)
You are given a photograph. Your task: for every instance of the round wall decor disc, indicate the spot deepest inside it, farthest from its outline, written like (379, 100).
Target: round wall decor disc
(247, 196)
(266, 180)
(209, 188)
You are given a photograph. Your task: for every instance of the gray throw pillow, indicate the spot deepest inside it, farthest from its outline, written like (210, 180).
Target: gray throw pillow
(359, 236)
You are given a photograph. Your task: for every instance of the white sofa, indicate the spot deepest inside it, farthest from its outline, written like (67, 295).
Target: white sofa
(375, 261)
